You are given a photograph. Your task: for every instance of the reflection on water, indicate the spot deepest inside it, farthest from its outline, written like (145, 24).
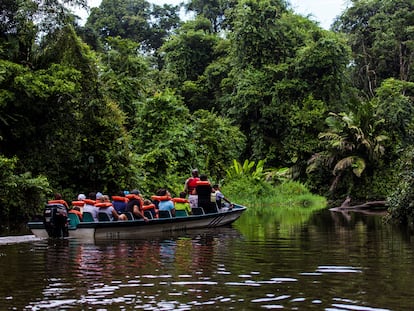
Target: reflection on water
(320, 262)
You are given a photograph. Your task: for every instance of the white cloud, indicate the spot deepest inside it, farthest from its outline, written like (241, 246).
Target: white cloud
(322, 11)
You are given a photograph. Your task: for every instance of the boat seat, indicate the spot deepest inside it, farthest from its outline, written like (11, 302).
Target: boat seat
(181, 213)
(164, 214)
(211, 208)
(148, 214)
(103, 216)
(129, 215)
(73, 220)
(87, 217)
(197, 211)
(215, 208)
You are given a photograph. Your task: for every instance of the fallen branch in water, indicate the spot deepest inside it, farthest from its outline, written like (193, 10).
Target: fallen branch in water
(367, 205)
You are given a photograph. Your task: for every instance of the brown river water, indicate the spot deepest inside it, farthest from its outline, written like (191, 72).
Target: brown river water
(318, 261)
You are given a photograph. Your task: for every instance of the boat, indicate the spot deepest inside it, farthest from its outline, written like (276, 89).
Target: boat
(57, 223)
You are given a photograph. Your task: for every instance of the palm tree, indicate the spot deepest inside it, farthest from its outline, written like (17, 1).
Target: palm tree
(351, 144)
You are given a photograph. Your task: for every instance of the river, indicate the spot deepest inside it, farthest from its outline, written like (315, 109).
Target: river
(296, 261)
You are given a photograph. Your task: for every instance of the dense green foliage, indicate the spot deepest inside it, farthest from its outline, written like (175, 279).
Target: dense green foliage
(247, 91)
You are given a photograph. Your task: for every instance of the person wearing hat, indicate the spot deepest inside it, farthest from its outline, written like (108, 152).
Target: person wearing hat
(99, 195)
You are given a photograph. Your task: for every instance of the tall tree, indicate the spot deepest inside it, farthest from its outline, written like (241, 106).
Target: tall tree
(190, 51)
(256, 33)
(21, 22)
(354, 143)
(213, 10)
(286, 73)
(125, 75)
(126, 19)
(381, 36)
(170, 141)
(137, 20)
(187, 55)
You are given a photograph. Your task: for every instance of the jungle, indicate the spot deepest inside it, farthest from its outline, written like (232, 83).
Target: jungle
(261, 99)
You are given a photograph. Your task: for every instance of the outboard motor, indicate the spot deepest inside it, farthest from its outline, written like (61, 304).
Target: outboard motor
(56, 220)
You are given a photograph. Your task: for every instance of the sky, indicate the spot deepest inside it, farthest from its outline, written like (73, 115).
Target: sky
(322, 11)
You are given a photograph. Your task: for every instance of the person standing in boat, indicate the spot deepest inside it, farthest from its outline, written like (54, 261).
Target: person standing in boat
(134, 204)
(189, 188)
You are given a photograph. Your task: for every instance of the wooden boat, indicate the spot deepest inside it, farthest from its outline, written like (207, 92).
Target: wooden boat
(137, 229)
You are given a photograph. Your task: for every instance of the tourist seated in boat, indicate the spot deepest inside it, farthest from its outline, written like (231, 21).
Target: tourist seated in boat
(58, 200)
(105, 206)
(135, 204)
(204, 190)
(98, 195)
(164, 202)
(90, 207)
(181, 203)
(150, 207)
(77, 208)
(79, 203)
(222, 202)
(119, 202)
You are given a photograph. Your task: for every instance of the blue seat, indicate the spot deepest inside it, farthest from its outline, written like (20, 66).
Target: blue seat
(181, 213)
(87, 217)
(73, 220)
(164, 214)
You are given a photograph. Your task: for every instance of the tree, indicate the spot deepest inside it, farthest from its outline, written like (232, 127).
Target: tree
(21, 23)
(257, 37)
(381, 37)
(216, 141)
(401, 198)
(136, 20)
(163, 141)
(286, 73)
(190, 51)
(170, 142)
(29, 193)
(164, 21)
(353, 143)
(125, 75)
(394, 103)
(128, 20)
(213, 10)
(56, 119)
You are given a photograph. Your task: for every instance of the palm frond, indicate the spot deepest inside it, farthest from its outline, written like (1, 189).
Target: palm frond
(357, 164)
